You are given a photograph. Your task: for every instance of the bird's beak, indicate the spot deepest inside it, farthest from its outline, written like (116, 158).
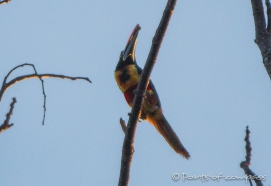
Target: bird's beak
(131, 44)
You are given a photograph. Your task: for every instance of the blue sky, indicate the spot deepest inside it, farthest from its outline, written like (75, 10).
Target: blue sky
(209, 75)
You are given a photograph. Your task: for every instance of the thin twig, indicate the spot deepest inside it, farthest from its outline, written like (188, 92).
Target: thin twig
(6, 124)
(123, 125)
(245, 164)
(248, 147)
(128, 144)
(4, 2)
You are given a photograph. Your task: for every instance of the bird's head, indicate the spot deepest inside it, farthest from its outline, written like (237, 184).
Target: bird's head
(127, 56)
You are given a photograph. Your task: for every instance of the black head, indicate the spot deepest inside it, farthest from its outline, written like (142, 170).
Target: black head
(127, 56)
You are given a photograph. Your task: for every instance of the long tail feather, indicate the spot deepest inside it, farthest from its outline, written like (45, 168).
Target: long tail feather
(163, 127)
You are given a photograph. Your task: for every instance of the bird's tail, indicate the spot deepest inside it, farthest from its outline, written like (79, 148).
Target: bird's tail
(163, 127)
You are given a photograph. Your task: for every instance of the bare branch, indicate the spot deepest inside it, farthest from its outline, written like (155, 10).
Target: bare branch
(6, 124)
(32, 76)
(245, 164)
(4, 2)
(6, 85)
(263, 36)
(40, 76)
(42, 84)
(43, 76)
(258, 14)
(268, 11)
(128, 144)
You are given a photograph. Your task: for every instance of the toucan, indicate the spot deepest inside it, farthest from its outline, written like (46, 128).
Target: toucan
(127, 75)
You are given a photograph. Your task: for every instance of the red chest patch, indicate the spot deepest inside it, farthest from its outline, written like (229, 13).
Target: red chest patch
(129, 94)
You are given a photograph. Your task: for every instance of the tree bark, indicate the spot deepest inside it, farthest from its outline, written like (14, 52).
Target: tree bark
(262, 33)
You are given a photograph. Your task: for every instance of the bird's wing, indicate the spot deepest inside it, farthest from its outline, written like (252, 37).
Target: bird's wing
(152, 87)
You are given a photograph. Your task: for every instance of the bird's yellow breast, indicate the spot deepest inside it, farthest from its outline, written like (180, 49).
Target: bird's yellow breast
(127, 77)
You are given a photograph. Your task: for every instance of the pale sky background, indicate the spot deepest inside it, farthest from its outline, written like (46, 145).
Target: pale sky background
(209, 75)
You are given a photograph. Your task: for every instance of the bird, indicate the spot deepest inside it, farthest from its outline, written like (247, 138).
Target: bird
(127, 75)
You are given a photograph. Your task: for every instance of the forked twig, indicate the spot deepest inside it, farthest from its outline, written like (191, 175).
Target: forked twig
(4, 84)
(12, 82)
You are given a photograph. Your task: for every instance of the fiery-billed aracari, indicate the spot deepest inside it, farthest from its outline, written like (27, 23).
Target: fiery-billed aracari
(127, 76)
